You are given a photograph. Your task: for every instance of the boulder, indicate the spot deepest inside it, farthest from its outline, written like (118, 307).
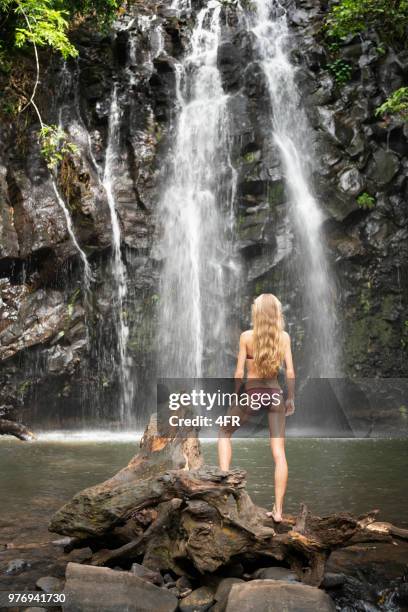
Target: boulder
(383, 167)
(275, 596)
(104, 590)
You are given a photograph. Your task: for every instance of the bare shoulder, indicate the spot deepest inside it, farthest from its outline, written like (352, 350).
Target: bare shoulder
(286, 337)
(246, 336)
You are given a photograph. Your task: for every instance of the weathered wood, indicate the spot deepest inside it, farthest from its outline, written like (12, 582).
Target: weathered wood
(164, 515)
(20, 431)
(387, 529)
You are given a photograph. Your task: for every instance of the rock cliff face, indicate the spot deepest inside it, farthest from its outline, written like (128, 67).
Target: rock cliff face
(50, 363)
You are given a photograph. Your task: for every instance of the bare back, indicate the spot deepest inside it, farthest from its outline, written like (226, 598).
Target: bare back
(246, 358)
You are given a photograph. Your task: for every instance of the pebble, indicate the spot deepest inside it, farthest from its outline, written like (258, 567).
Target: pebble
(49, 584)
(16, 566)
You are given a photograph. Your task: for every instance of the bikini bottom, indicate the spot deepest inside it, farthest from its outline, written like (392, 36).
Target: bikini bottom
(264, 398)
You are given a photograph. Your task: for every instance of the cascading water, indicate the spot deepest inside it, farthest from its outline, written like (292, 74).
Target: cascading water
(65, 210)
(292, 135)
(118, 267)
(195, 211)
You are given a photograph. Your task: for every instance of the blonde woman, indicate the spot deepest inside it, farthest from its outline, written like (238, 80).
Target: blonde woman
(262, 351)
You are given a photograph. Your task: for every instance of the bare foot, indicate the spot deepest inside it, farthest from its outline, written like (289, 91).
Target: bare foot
(275, 515)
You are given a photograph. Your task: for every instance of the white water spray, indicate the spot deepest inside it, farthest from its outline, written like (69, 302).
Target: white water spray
(292, 135)
(64, 208)
(195, 211)
(118, 266)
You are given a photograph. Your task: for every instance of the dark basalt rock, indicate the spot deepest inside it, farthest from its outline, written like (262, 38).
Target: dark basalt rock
(354, 152)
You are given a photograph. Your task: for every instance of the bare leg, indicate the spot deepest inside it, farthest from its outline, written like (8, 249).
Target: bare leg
(224, 449)
(277, 440)
(224, 438)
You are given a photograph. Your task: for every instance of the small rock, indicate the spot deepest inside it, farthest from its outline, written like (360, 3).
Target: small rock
(275, 573)
(183, 583)
(199, 600)
(384, 167)
(351, 181)
(402, 594)
(149, 575)
(174, 590)
(79, 555)
(224, 588)
(49, 584)
(168, 578)
(16, 566)
(332, 580)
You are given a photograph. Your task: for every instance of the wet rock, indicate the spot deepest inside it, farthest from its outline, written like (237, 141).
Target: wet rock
(229, 64)
(357, 145)
(397, 141)
(105, 590)
(351, 181)
(384, 167)
(332, 580)
(325, 92)
(251, 597)
(337, 125)
(199, 600)
(347, 246)
(50, 584)
(17, 566)
(40, 317)
(275, 573)
(367, 570)
(402, 594)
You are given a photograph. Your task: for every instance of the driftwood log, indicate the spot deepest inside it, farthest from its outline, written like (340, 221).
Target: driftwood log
(11, 428)
(172, 513)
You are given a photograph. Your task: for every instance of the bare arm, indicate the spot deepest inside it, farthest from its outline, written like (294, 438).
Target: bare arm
(290, 376)
(240, 369)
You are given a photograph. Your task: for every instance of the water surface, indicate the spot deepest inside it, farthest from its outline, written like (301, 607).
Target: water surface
(328, 475)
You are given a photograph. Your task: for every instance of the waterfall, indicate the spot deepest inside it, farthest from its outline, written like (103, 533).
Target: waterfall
(195, 211)
(291, 133)
(118, 266)
(65, 78)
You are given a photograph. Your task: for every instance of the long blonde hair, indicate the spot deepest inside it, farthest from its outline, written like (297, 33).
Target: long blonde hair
(268, 325)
